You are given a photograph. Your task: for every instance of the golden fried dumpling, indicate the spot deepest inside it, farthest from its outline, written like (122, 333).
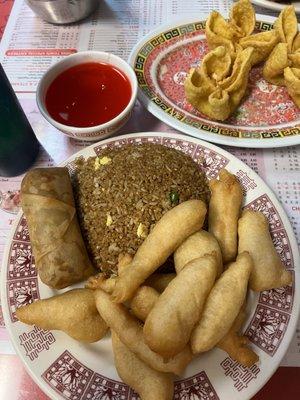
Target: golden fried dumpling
(295, 59)
(218, 98)
(73, 312)
(285, 54)
(236, 344)
(287, 27)
(241, 23)
(219, 32)
(242, 17)
(235, 84)
(237, 34)
(292, 82)
(216, 65)
(296, 43)
(283, 65)
(273, 70)
(262, 42)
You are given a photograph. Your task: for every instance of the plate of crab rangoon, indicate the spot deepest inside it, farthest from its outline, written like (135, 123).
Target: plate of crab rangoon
(150, 266)
(232, 80)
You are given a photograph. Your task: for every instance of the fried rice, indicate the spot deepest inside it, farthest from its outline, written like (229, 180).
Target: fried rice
(123, 192)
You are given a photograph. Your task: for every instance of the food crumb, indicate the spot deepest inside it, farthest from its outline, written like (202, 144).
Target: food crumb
(109, 220)
(142, 231)
(97, 163)
(101, 161)
(105, 160)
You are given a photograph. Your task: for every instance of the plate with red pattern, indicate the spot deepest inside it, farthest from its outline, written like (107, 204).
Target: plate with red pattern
(66, 369)
(267, 117)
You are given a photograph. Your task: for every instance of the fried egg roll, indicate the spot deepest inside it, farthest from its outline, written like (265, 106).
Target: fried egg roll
(48, 204)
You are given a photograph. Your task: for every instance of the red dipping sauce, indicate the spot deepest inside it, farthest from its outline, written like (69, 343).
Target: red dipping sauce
(88, 94)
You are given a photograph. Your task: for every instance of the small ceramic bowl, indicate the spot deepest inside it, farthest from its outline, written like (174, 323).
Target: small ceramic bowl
(96, 132)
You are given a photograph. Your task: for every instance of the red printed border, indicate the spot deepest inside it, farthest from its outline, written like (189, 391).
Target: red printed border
(267, 328)
(195, 387)
(240, 375)
(21, 262)
(20, 293)
(35, 341)
(73, 380)
(22, 233)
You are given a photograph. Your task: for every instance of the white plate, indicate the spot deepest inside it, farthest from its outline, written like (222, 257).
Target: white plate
(64, 368)
(161, 60)
(273, 5)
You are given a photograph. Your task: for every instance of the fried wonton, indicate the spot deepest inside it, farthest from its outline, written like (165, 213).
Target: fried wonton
(274, 67)
(287, 27)
(296, 42)
(217, 92)
(242, 17)
(237, 32)
(220, 33)
(292, 82)
(283, 65)
(263, 43)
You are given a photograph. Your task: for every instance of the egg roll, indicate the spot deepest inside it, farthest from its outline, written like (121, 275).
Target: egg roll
(124, 261)
(47, 200)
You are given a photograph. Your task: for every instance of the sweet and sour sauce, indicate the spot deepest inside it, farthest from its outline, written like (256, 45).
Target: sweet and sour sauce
(88, 94)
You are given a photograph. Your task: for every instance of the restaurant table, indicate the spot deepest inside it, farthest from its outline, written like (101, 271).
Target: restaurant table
(15, 383)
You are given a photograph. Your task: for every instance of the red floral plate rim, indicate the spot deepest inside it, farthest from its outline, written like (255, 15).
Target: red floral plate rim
(143, 61)
(65, 369)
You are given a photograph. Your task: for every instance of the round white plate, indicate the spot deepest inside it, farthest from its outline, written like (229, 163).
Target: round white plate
(266, 118)
(276, 6)
(67, 369)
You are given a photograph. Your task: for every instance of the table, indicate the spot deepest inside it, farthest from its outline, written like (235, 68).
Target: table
(15, 383)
